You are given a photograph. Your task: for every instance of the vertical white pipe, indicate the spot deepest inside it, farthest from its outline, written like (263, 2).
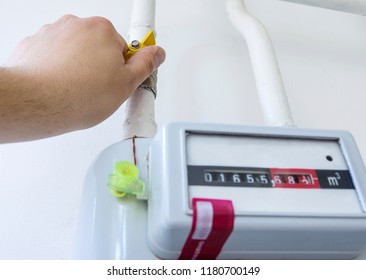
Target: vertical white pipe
(139, 114)
(271, 91)
(142, 19)
(350, 6)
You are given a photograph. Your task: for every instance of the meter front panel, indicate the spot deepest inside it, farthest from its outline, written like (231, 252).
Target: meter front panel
(262, 174)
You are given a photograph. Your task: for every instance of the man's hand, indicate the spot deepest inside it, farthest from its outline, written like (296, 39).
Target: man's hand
(70, 75)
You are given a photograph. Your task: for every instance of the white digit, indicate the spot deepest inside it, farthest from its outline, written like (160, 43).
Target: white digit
(277, 179)
(236, 178)
(250, 178)
(222, 176)
(208, 177)
(305, 180)
(291, 180)
(264, 179)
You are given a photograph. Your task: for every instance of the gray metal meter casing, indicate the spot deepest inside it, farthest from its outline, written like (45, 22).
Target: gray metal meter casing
(327, 222)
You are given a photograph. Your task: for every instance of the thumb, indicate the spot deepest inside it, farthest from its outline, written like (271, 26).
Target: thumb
(144, 63)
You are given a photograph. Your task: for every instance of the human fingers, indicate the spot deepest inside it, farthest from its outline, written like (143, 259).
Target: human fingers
(144, 63)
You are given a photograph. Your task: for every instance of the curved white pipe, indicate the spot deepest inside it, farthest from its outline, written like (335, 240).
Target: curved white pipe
(271, 91)
(139, 114)
(350, 6)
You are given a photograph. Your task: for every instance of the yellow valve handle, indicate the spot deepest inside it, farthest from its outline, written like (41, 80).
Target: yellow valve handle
(135, 46)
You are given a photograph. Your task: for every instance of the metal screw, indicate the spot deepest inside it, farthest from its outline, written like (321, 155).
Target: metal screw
(135, 44)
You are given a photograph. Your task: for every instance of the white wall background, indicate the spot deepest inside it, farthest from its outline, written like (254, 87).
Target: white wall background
(206, 78)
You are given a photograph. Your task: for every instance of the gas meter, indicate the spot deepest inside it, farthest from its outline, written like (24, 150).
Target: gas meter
(231, 192)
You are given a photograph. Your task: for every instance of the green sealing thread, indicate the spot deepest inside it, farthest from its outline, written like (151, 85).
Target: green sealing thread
(125, 179)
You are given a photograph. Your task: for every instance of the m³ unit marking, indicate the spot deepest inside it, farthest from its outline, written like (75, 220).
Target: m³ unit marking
(334, 180)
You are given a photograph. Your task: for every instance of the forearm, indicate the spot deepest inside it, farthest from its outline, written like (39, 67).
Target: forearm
(25, 110)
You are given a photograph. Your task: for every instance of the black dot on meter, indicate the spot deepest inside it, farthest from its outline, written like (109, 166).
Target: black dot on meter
(329, 158)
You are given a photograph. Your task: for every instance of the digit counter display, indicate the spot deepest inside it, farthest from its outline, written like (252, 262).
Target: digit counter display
(269, 177)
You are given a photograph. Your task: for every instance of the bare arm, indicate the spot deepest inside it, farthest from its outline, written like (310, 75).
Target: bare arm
(69, 76)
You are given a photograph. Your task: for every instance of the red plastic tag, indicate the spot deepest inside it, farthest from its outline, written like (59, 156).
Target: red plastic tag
(212, 224)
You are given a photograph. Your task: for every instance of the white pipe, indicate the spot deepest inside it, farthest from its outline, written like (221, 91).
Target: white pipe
(350, 6)
(272, 95)
(142, 19)
(139, 117)
(139, 114)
